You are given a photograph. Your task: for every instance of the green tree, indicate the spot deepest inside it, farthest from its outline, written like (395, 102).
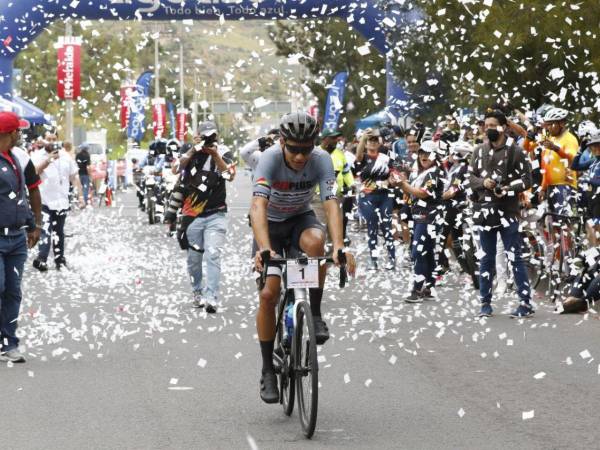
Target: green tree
(527, 52)
(108, 58)
(326, 47)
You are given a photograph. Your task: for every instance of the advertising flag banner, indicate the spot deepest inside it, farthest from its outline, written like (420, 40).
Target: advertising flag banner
(159, 117)
(335, 101)
(172, 124)
(69, 67)
(126, 96)
(137, 107)
(181, 125)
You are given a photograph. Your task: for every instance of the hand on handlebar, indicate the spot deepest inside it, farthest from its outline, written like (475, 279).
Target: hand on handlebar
(258, 259)
(347, 260)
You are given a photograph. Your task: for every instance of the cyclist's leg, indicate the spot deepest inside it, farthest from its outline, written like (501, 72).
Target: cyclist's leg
(266, 319)
(309, 236)
(312, 242)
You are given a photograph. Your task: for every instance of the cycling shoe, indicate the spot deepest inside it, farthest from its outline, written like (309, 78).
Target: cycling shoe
(321, 331)
(269, 393)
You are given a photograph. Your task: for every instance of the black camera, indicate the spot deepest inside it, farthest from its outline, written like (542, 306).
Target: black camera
(53, 146)
(209, 141)
(498, 191)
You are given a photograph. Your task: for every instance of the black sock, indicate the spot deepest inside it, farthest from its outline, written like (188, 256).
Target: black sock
(315, 296)
(266, 349)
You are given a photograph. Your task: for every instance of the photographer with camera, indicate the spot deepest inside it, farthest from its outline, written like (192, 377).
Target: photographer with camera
(498, 172)
(204, 168)
(57, 170)
(250, 153)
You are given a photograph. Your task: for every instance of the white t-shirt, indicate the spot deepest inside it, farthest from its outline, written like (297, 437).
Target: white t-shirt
(55, 179)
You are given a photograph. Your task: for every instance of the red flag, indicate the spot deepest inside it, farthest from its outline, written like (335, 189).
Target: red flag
(126, 94)
(181, 125)
(159, 117)
(69, 68)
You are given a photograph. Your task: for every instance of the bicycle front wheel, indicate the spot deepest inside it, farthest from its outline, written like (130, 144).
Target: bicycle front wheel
(533, 255)
(285, 363)
(304, 360)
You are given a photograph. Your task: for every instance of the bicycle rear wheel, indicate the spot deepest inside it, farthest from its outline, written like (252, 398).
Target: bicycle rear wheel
(304, 360)
(285, 363)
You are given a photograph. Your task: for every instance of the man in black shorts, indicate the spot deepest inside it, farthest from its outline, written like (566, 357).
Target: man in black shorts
(284, 183)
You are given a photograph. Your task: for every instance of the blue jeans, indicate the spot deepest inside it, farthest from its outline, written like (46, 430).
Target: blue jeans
(13, 253)
(422, 252)
(376, 208)
(53, 232)
(511, 238)
(85, 184)
(206, 236)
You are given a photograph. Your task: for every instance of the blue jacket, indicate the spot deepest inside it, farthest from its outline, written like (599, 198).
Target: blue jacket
(14, 205)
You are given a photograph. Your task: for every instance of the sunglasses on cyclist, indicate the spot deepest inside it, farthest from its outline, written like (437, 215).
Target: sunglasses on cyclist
(296, 149)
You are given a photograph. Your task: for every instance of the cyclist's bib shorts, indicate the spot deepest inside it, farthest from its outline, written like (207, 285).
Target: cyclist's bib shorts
(286, 234)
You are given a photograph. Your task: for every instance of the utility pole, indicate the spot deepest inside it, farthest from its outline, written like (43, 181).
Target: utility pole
(181, 94)
(156, 66)
(69, 101)
(195, 104)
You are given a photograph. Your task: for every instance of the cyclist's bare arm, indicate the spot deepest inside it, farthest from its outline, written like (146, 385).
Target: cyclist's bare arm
(260, 226)
(334, 223)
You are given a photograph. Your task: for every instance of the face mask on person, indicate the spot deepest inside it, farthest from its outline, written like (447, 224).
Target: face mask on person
(331, 146)
(493, 134)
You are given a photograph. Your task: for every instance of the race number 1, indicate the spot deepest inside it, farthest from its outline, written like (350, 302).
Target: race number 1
(303, 276)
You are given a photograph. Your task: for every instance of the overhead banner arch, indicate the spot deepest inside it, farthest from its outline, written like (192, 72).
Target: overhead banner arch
(22, 20)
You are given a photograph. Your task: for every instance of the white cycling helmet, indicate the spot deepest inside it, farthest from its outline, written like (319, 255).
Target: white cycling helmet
(586, 128)
(461, 148)
(555, 114)
(595, 138)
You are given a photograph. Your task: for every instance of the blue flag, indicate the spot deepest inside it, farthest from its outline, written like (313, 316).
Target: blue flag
(171, 108)
(137, 112)
(335, 101)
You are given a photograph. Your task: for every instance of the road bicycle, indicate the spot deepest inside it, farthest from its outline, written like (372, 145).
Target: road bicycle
(565, 234)
(295, 355)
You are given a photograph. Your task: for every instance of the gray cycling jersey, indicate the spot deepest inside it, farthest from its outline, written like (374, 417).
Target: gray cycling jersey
(290, 192)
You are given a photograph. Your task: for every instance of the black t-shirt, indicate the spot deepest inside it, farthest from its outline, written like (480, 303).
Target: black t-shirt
(83, 161)
(425, 210)
(205, 190)
(373, 170)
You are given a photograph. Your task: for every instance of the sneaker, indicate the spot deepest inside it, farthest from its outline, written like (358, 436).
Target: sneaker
(61, 262)
(347, 242)
(13, 356)
(210, 308)
(524, 310)
(198, 301)
(486, 310)
(426, 294)
(413, 297)
(373, 267)
(391, 265)
(40, 265)
(321, 331)
(268, 388)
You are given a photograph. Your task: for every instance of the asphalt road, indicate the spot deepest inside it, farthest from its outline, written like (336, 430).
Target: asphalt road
(117, 358)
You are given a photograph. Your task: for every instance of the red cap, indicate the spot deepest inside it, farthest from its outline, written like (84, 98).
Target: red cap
(10, 122)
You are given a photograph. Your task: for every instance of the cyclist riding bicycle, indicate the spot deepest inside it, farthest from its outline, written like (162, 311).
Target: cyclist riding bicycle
(284, 183)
